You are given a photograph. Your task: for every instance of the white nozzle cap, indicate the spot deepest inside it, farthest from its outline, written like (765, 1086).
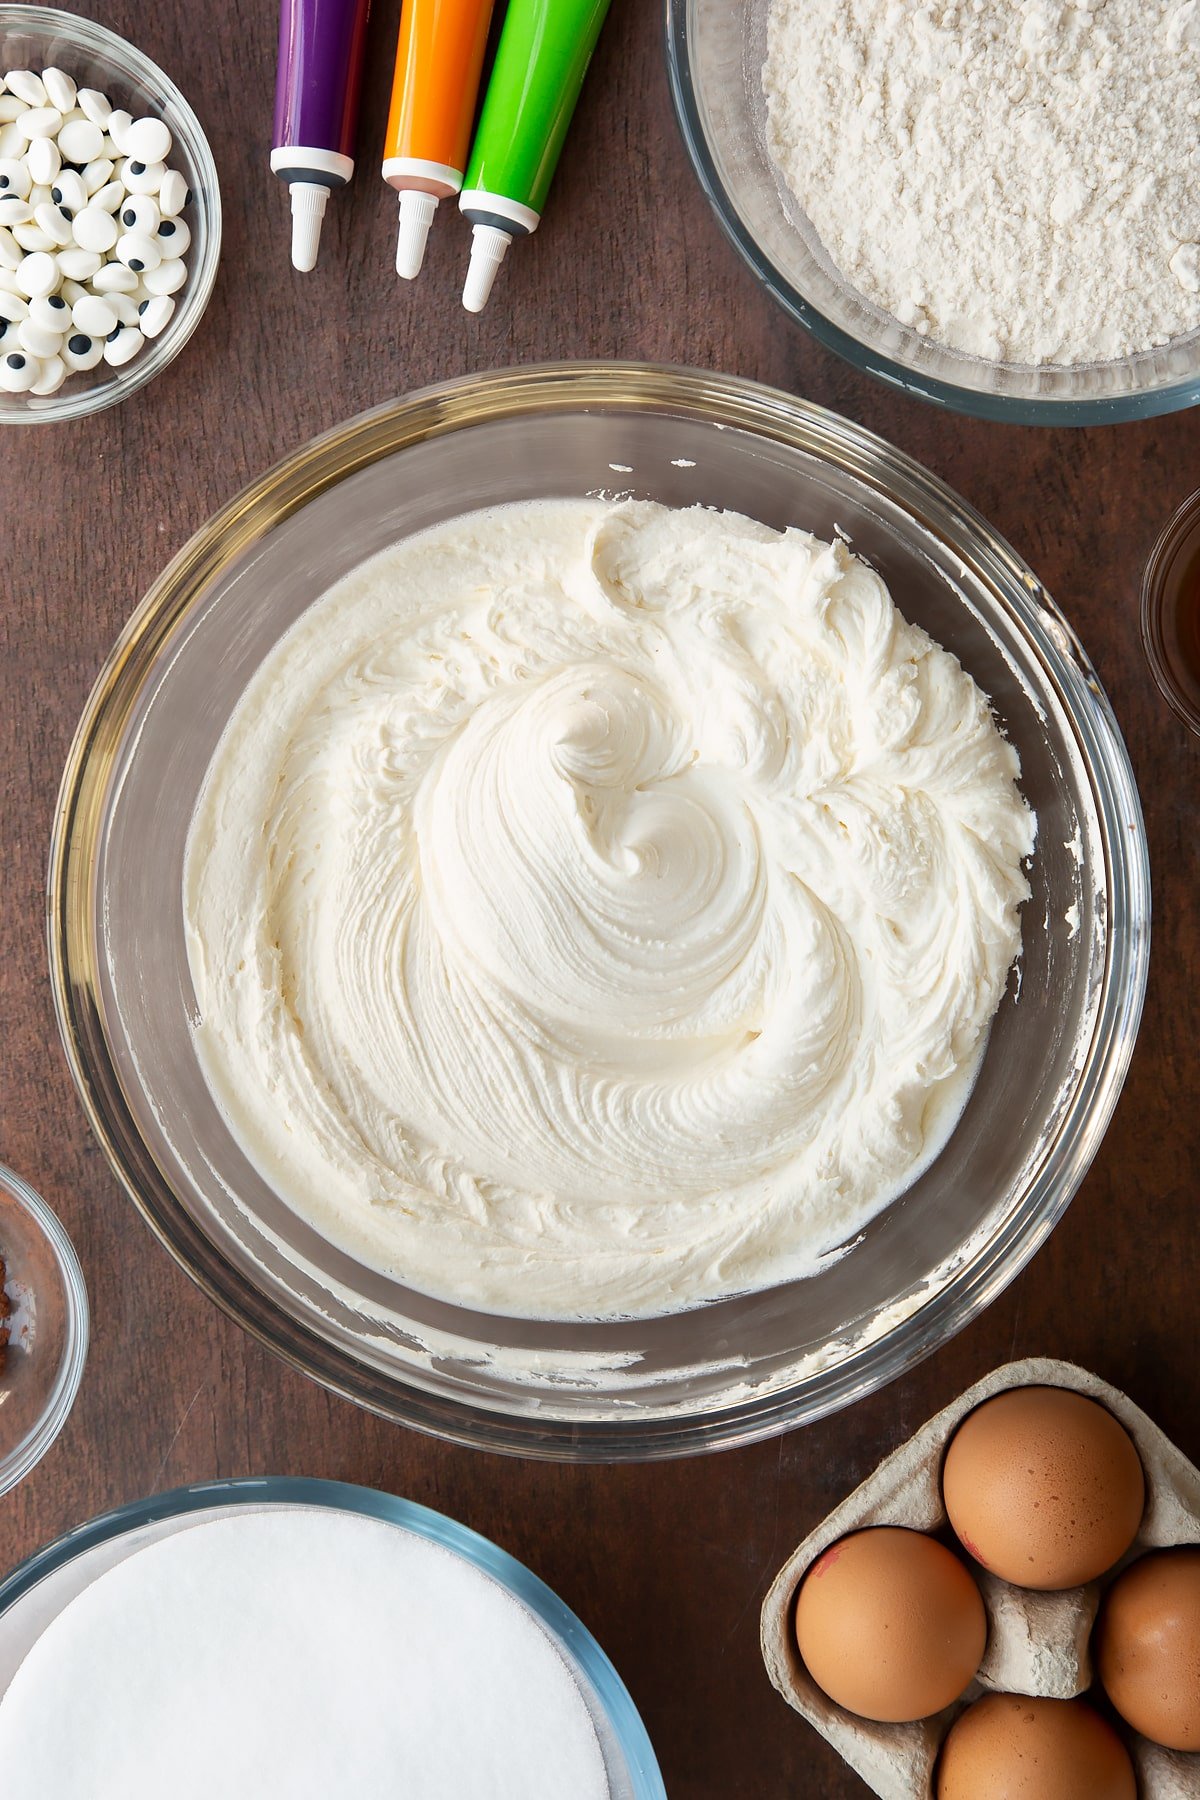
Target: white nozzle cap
(416, 216)
(308, 209)
(489, 247)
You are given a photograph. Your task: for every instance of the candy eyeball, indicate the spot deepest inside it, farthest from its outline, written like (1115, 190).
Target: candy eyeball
(18, 372)
(92, 241)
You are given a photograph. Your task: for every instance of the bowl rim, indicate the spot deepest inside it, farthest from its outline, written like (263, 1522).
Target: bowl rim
(1006, 408)
(202, 269)
(25, 1455)
(254, 1491)
(1180, 533)
(455, 405)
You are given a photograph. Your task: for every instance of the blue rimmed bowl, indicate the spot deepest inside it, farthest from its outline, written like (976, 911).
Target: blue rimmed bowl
(40, 1588)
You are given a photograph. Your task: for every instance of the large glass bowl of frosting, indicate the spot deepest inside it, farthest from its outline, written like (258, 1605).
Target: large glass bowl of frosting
(994, 207)
(600, 911)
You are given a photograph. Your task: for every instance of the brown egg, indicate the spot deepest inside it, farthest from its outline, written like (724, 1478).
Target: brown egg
(890, 1624)
(1148, 1647)
(1008, 1747)
(1043, 1487)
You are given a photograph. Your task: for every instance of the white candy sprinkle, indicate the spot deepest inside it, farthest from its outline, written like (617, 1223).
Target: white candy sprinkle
(36, 340)
(15, 177)
(115, 278)
(168, 278)
(95, 229)
(40, 121)
(98, 174)
(140, 213)
(126, 307)
(139, 251)
(18, 372)
(141, 177)
(157, 315)
(44, 159)
(92, 246)
(31, 237)
(174, 238)
(95, 315)
(172, 194)
(54, 373)
(80, 141)
(69, 192)
(109, 197)
(54, 222)
(124, 347)
(60, 89)
(149, 140)
(26, 86)
(95, 106)
(117, 127)
(78, 264)
(82, 359)
(38, 274)
(52, 312)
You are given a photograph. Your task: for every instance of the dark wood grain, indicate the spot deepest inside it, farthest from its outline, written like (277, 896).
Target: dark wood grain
(666, 1564)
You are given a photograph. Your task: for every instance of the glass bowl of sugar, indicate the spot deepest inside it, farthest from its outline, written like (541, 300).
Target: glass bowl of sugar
(427, 1650)
(1042, 268)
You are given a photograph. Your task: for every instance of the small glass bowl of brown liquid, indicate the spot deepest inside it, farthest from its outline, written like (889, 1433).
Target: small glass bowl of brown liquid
(1171, 612)
(43, 1328)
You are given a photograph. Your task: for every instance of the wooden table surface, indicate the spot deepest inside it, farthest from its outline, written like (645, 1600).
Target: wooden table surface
(666, 1564)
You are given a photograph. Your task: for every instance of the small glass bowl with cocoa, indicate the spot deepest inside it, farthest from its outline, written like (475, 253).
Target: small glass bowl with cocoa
(43, 1328)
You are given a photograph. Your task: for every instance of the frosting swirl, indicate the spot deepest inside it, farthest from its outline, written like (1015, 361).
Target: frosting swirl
(593, 909)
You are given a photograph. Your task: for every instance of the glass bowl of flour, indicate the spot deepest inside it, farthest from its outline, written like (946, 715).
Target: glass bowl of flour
(432, 953)
(992, 207)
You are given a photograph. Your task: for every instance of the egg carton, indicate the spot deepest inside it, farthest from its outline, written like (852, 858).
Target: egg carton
(1038, 1643)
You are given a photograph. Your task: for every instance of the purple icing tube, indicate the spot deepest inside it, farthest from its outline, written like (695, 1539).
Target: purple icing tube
(321, 44)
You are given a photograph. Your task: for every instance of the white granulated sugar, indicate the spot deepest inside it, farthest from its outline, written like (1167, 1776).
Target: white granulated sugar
(1017, 179)
(297, 1654)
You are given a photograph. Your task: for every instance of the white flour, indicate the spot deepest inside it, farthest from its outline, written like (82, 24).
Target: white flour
(1018, 179)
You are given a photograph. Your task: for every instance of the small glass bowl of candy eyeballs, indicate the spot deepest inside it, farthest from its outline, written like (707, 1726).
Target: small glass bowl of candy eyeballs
(110, 217)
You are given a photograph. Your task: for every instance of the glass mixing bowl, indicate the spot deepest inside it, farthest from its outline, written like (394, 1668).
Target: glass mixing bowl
(727, 1372)
(35, 1592)
(40, 37)
(715, 56)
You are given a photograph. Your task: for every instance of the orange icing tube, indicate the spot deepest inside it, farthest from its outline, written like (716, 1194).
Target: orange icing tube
(439, 60)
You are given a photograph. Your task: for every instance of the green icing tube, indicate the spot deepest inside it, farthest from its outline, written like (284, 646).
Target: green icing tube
(544, 52)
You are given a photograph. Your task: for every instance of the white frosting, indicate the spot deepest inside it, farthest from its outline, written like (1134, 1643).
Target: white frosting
(594, 908)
